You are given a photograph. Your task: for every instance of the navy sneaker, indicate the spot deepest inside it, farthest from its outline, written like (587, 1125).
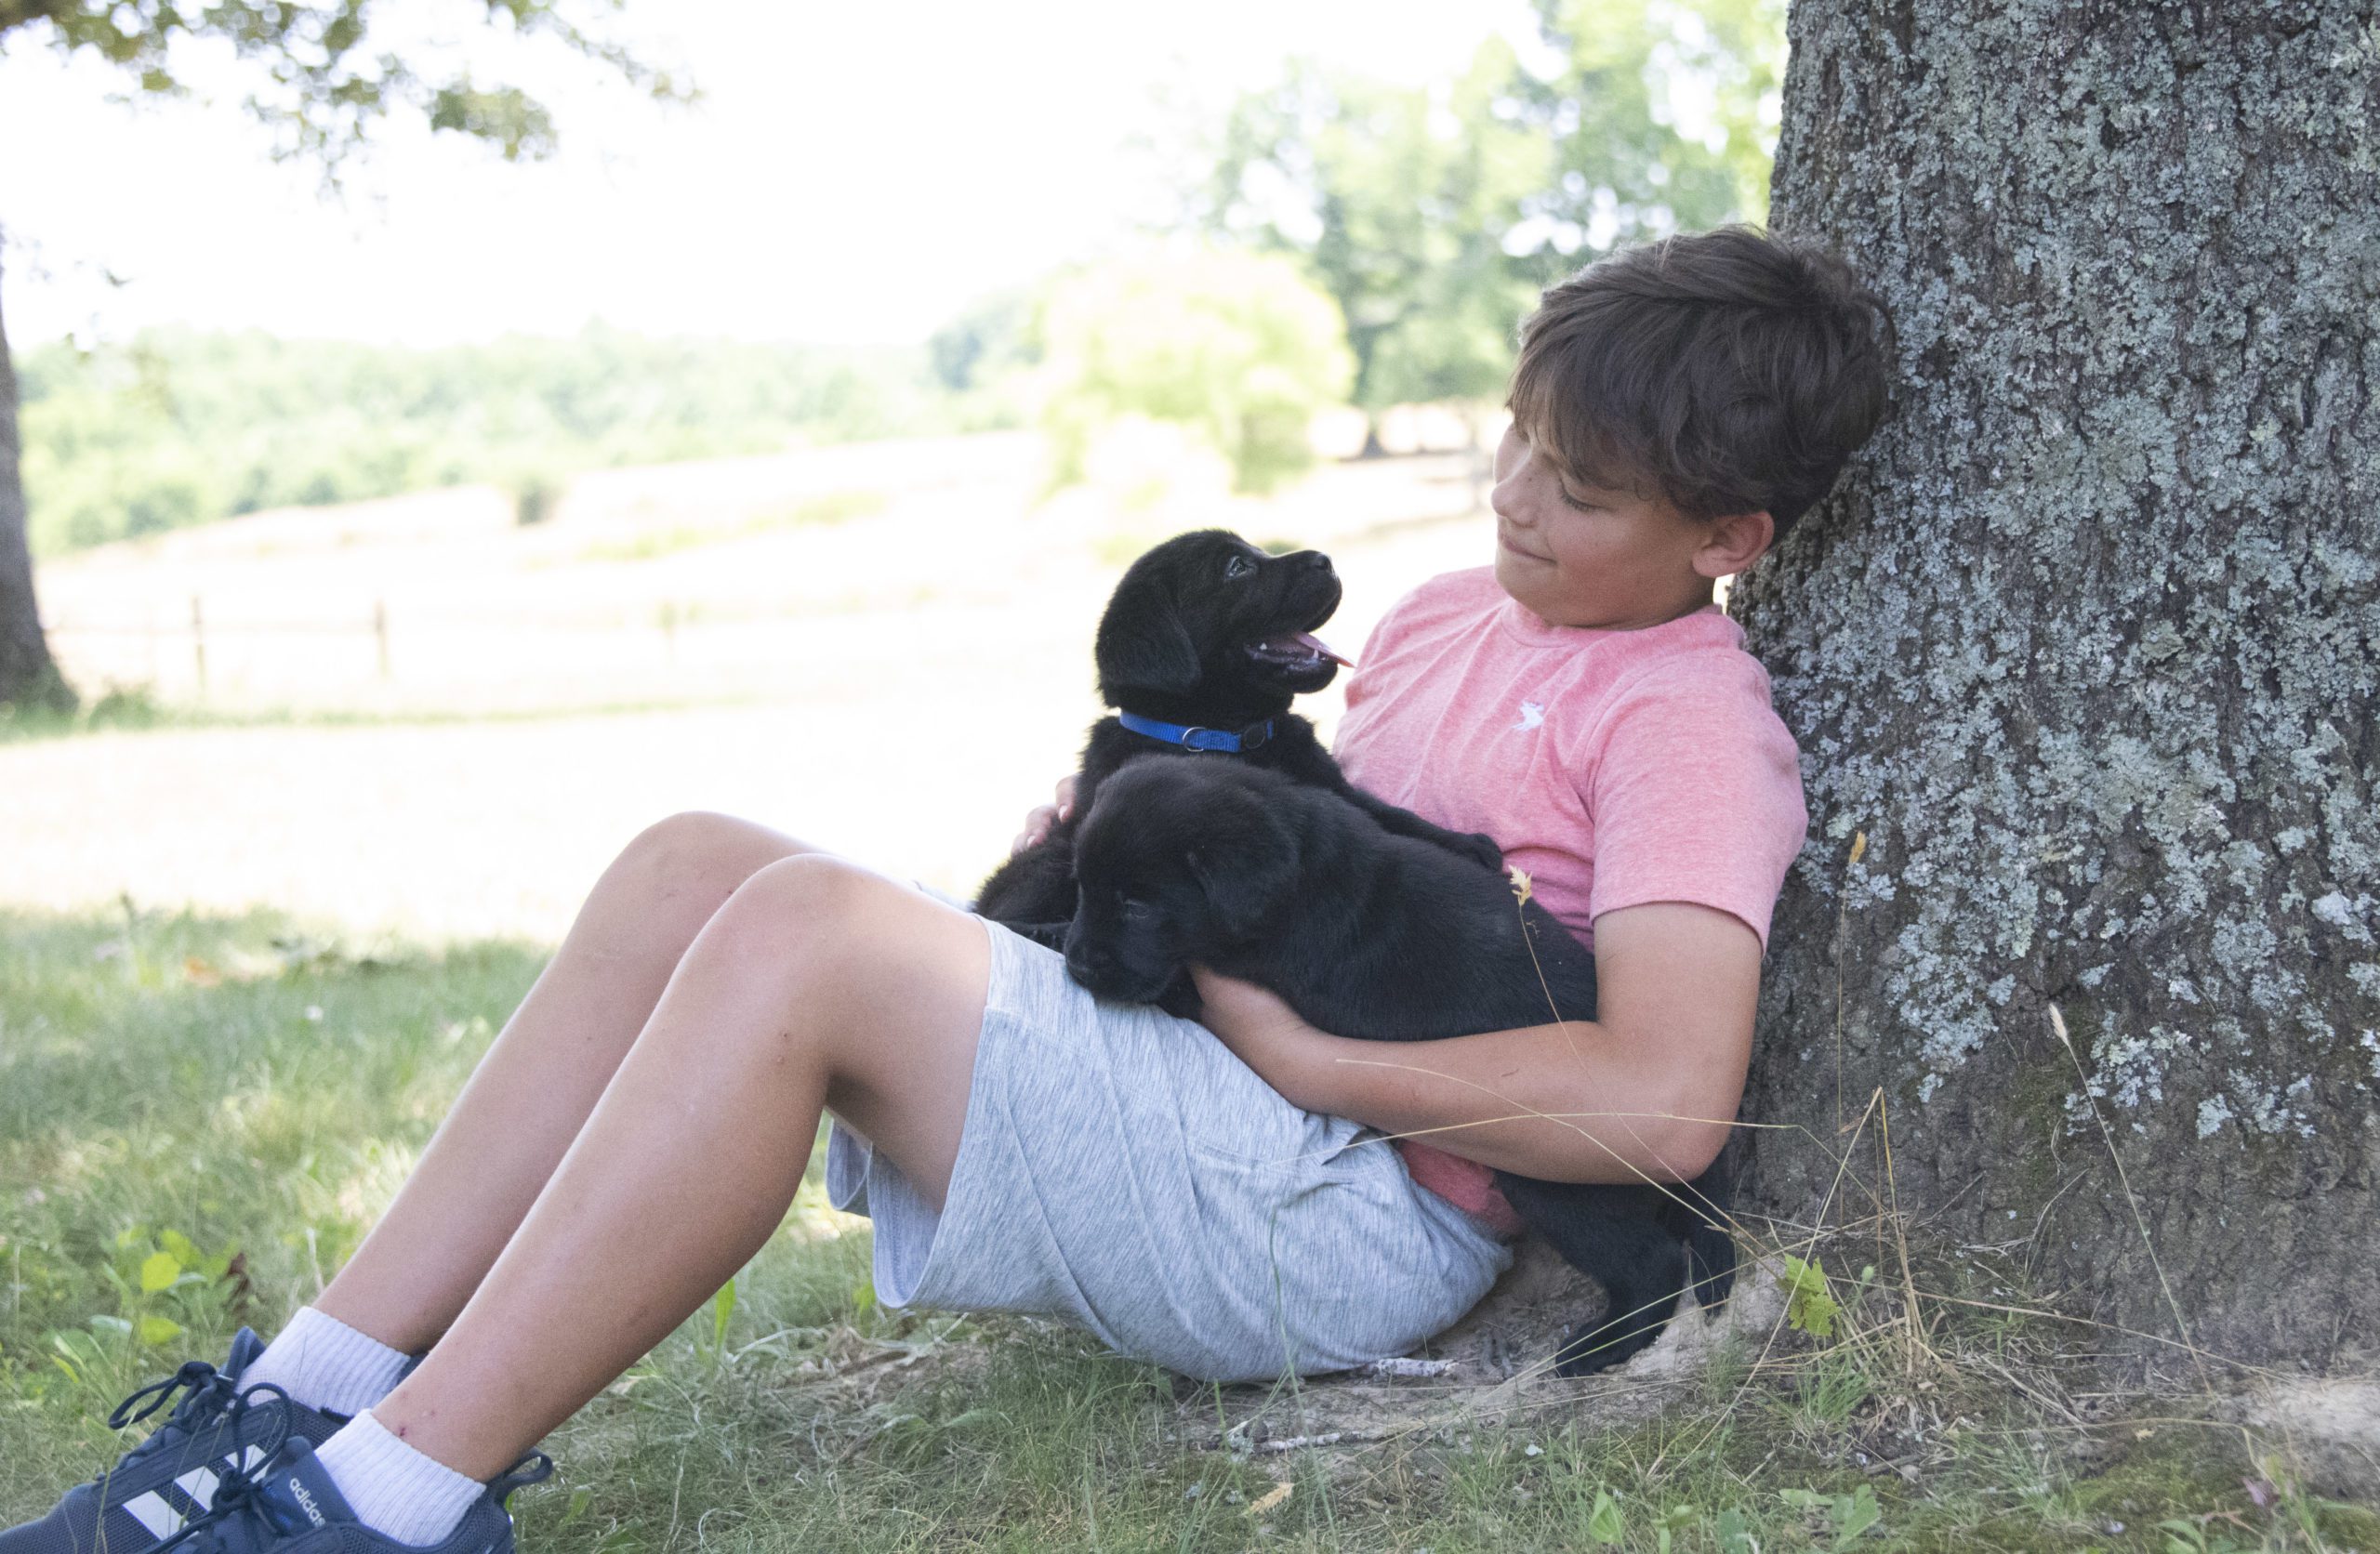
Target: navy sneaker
(167, 1481)
(288, 1504)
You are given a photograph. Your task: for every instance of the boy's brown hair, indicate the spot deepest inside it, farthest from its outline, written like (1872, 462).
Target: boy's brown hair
(1725, 372)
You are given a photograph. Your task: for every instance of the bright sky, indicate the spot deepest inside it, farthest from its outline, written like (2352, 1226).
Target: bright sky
(855, 173)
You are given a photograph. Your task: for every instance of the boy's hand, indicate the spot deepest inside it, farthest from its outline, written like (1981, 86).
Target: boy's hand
(1038, 819)
(1262, 1031)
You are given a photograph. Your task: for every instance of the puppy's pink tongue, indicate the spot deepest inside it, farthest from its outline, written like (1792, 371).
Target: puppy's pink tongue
(1312, 643)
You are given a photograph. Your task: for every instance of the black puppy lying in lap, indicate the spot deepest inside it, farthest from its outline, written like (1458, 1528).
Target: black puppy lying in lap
(1376, 936)
(1202, 647)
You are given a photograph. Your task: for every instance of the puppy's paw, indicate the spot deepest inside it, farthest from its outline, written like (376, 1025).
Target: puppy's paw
(1603, 1350)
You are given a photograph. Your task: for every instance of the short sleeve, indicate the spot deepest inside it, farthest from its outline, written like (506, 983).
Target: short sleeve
(1695, 793)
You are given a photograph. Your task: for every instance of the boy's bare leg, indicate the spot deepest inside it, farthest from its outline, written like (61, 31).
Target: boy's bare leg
(533, 1089)
(817, 984)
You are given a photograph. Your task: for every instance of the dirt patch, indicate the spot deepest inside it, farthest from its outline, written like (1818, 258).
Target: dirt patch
(2326, 1431)
(1492, 1368)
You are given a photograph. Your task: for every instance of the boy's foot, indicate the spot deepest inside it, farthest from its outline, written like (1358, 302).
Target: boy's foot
(170, 1478)
(289, 1505)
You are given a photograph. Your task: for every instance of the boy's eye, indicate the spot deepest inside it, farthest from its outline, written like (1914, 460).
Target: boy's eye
(1574, 503)
(1239, 566)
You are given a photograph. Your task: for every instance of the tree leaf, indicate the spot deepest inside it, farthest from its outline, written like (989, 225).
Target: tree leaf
(159, 1271)
(1810, 1307)
(159, 1330)
(1604, 1523)
(1855, 1514)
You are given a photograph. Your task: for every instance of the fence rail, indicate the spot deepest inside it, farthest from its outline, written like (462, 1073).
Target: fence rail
(667, 619)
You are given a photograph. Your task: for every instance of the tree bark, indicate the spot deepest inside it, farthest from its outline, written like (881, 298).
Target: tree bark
(28, 677)
(2086, 645)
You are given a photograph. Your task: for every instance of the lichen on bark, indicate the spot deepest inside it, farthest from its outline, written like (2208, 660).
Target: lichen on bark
(2086, 645)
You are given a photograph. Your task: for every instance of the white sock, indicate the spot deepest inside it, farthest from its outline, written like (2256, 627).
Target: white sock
(327, 1365)
(394, 1490)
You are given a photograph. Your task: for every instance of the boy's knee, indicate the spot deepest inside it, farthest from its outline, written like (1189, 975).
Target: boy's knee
(700, 853)
(830, 928)
(811, 879)
(811, 901)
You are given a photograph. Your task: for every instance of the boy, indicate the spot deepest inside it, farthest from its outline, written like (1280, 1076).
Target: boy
(1203, 1204)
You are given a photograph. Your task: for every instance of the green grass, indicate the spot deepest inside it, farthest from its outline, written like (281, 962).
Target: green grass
(243, 1096)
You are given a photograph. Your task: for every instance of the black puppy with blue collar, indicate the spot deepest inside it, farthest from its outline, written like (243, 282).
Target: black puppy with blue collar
(1204, 643)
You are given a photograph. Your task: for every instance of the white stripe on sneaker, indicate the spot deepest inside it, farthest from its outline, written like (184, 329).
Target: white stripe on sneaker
(151, 1511)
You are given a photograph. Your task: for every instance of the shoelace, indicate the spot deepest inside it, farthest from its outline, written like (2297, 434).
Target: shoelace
(243, 1516)
(208, 1393)
(535, 1468)
(246, 1514)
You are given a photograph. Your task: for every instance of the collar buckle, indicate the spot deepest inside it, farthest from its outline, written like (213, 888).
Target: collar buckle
(1207, 741)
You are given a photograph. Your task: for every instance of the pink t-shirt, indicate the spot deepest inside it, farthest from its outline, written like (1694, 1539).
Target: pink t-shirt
(1616, 768)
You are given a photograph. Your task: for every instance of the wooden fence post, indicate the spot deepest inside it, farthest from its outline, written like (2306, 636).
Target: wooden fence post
(198, 641)
(380, 631)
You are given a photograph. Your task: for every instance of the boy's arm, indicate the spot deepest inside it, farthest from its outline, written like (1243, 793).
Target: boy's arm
(1648, 1088)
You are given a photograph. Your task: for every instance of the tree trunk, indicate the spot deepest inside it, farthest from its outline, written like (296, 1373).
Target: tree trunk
(28, 677)
(2086, 645)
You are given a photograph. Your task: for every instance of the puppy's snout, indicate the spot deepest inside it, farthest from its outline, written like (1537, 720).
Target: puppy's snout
(1313, 559)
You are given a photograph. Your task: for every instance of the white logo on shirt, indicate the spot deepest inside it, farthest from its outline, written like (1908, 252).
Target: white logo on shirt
(1532, 714)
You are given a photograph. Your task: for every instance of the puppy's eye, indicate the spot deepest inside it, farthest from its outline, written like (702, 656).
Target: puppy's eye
(1239, 566)
(1139, 912)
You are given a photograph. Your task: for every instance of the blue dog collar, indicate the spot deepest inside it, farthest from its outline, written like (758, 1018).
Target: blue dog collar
(1191, 737)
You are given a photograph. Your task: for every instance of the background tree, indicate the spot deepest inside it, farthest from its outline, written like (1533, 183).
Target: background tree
(1661, 116)
(2087, 649)
(1434, 214)
(1239, 348)
(181, 427)
(317, 87)
(1397, 199)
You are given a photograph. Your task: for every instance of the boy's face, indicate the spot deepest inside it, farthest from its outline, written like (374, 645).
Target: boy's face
(1583, 556)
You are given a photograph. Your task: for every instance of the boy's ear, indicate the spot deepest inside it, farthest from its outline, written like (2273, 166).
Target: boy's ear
(1142, 643)
(1736, 542)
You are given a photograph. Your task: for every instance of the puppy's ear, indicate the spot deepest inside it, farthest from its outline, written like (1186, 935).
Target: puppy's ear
(1246, 869)
(1142, 643)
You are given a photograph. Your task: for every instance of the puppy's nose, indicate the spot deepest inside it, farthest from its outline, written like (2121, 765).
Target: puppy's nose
(1313, 559)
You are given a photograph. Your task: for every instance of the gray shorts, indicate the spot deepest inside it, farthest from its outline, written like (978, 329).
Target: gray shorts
(1122, 1170)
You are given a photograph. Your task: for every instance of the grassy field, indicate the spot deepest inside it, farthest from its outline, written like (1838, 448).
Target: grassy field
(898, 677)
(259, 925)
(244, 1095)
